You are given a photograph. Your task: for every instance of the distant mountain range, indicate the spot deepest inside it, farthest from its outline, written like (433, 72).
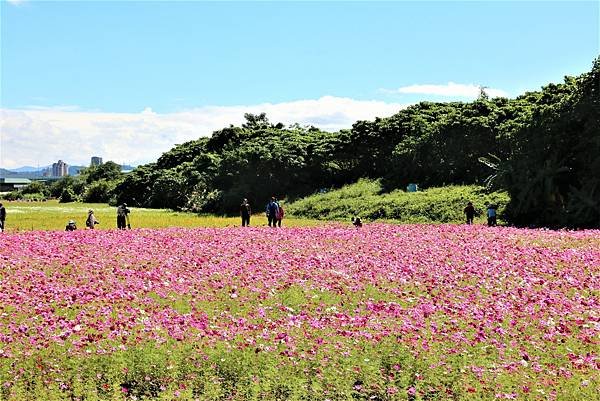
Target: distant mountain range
(4, 173)
(27, 169)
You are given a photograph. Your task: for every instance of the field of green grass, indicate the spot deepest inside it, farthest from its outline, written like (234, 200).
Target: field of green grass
(51, 215)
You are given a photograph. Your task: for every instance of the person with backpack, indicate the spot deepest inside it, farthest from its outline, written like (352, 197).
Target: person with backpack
(122, 217)
(245, 212)
(2, 217)
(272, 210)
(280, 214)
(91, 220)
(469, 212)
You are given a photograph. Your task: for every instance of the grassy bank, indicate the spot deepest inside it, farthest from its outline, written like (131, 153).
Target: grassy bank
(51, 215)
(365, 199)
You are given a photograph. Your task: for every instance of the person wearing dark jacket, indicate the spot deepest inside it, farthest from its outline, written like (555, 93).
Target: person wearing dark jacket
(469, 212)
(272, 211)
(491, 215)
(2, 217)
(245, 212)
(122, 213)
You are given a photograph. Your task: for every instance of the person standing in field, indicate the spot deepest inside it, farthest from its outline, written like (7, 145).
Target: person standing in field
(280, 214)
(272, 210)
(91, 220)
(491, 215)
(2, 217)
(122, 217)
(469, 212)
(245, 212)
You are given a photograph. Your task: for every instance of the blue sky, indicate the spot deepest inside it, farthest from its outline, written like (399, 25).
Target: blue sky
(162, 59)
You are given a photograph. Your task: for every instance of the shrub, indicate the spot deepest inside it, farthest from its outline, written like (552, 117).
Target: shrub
(66, 196)
(12, 196)
(34, 197)
(36, 188)
(76, 184)
(98, 192)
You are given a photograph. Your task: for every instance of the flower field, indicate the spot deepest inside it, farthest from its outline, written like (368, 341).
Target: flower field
(385, 312)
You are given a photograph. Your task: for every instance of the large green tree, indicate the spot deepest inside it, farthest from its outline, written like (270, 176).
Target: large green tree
(553, 172)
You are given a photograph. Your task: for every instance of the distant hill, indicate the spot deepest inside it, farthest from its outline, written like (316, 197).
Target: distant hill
(4, 173)
(28, 169)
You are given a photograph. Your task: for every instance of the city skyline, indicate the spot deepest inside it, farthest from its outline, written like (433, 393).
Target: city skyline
(49, 169)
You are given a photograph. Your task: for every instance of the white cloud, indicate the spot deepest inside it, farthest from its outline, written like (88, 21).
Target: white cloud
(53, 108)
(451, 89)
(16, 2)
(41, 136)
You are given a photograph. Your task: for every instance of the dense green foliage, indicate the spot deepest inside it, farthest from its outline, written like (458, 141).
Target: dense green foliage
(553, 170)
(542, 148)
(366, 200)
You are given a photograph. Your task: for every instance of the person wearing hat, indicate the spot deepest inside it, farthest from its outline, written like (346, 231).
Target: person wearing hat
(71, 226)
(91, 220)
(122, 213)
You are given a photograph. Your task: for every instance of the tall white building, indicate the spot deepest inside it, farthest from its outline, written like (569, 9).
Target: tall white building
(60, 169)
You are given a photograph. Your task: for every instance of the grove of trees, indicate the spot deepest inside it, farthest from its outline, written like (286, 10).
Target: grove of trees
(542, 147)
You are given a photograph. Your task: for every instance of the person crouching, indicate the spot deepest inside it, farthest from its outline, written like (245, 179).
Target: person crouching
(71, 226)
